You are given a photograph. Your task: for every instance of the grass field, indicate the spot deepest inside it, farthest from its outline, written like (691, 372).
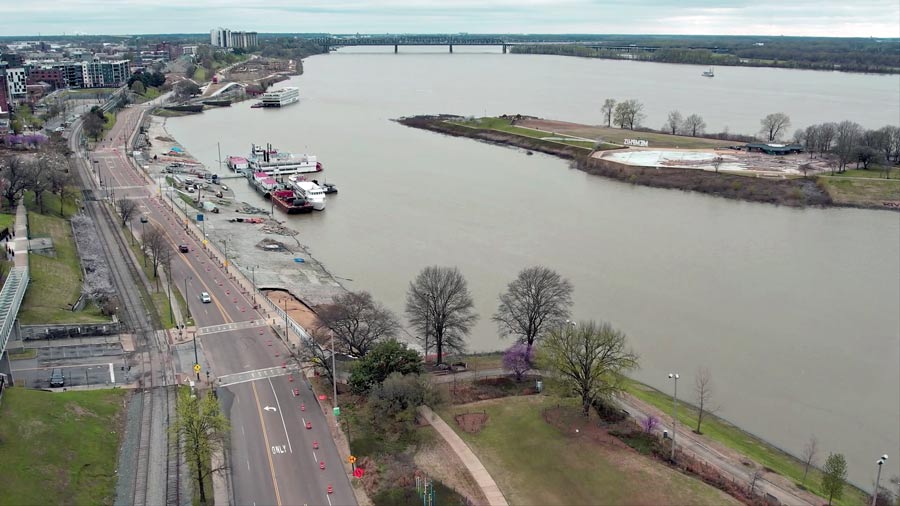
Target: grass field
(110, 121)
(59, 448)
(535, 463)
(874, 173)
(503, 125)
(871, 191)
(7, 220)
(55, 280)
(733, 437)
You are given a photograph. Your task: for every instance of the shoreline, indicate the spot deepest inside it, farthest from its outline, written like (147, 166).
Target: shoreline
(798, 192)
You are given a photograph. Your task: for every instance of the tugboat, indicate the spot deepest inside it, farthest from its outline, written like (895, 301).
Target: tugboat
(290, 202)
(328, 188)
(709, 73)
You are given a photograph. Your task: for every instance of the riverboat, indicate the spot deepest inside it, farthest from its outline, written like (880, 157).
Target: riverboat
(237, 163)
(709, 73)
(281, 97)
(263, 183)
(309, 191)
(281, 163)
(290, 202)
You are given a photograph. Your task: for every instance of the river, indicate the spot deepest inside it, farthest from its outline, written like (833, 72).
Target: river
(796, 312)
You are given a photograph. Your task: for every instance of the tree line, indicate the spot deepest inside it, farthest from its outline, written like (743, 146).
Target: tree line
(847, 142)
(46, 172)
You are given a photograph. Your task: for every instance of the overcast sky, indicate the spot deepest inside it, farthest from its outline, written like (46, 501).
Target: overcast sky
(837, 18)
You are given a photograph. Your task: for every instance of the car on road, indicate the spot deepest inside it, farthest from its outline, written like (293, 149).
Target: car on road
(57, 379)
(224, 188)
(59, 129)
(205, 298)
(183, 248)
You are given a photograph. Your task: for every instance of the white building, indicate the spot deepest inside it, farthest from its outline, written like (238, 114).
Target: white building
(223, 37)
(16, 83)
(220, 37)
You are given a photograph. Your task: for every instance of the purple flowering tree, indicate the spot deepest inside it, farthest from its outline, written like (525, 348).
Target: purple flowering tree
(518, 359)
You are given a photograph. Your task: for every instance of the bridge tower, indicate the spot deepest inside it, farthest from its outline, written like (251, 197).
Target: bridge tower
(451, 48)
(395, 48)
(504, 48)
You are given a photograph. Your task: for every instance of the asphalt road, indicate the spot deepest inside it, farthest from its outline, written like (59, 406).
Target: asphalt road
(272, 455)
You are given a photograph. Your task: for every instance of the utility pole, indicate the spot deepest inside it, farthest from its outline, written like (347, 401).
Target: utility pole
(674, 376)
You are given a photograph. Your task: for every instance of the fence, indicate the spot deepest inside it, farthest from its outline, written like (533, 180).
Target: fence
(64, 331)
(10, 300)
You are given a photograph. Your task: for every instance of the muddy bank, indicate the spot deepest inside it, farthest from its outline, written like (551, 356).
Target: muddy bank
(788, 192)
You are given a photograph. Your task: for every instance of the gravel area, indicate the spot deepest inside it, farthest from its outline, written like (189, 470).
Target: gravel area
(128, 451)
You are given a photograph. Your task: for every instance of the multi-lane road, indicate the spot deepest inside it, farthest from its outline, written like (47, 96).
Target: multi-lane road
(272, 454)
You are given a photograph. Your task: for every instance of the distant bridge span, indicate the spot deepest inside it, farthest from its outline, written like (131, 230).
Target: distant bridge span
(411, 40)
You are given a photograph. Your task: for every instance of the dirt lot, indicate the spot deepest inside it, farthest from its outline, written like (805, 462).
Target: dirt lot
(617, 135)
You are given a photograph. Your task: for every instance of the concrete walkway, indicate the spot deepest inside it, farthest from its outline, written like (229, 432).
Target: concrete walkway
(19, 243)
(488, 487)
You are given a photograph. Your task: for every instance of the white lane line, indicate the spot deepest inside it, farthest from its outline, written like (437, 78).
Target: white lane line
(329, 499)
(281, 414)
(315, 458)
(248, 464)
(304, 421)
(112, 375)
(242, 431)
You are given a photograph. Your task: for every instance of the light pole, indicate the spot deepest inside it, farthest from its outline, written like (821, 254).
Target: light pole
(880, 462)
(334, 383)
(675, 377)
(142, 246)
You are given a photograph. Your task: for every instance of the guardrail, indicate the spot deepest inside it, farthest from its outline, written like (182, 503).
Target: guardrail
(298, 329)
(10, 300)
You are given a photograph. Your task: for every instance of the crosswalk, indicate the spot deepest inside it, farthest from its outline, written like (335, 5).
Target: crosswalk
(229, 327)
(247, 376)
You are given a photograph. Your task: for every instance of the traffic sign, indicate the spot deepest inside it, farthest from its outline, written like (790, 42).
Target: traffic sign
(196, 367)
(200, 217)
(337, 411)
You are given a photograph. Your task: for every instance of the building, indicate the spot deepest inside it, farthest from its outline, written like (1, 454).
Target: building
(94, 74)
(191, 50)
(16, 82)
(244, 40)
(774, 149)
(13, 59)
(220, 37)
(55, 77)
(4, 97)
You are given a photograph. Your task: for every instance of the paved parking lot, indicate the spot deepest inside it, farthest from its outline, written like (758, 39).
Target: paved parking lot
(82, 364)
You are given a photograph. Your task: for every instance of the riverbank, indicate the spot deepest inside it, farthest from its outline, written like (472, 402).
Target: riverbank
(752, 178)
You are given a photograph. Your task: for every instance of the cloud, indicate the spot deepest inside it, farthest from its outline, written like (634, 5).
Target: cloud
(863, 18)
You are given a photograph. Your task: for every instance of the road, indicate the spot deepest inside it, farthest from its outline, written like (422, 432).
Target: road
(687, 442)
(272, 458)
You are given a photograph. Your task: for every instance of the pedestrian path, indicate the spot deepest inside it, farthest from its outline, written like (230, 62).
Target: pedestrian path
(484, 480)
(20, 237)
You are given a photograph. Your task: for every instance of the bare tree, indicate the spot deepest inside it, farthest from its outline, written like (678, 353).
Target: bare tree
(847, 134)
(774, 125)
(126, 208)
(537, 300)
(358, 321)
(438, 304)
(755, 475)
(703, 388)
(717, 162)
(826, 133)
(16, 176)
(317, 351)
(805, 167)
(694, 125)
(609, 106)
(673, 123)
(63, 185)
(39, 180)
(809, 455)
(154, 244)
(628, 114)
(810, 139)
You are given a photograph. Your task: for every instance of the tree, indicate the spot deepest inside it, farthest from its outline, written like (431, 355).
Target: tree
(155, 246)
(755, 474)
(202, 428)
(385, 358)
(16, 176)
(138, 87)
(846, 137)
(809, 455)
(703, 388)
(439, 305)
(694, 125)
(590, 359)
(628, 114)
(186, 89)
(317, 352)
(867, 155)
(518, 359)
(834, 475)
(717, 162)
(810, 139)
(774, 125)
(126, 208)
(62, 184)
(358, 321)
(538, 299)
(93, 125)
(609, 106)
(673, 123)
(393, 402)
(825, 137)
(649, 423)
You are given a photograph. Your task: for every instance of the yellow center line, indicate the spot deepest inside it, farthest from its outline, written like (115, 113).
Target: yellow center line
(262, 423)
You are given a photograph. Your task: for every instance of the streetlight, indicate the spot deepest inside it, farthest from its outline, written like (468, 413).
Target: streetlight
(879, 462)
(334, 383)
(674, 376)
(196, 359)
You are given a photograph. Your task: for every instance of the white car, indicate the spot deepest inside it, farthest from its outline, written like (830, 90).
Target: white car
(205, 298)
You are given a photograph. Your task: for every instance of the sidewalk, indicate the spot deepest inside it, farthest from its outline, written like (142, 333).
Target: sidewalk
(20, 237)
(488, 487)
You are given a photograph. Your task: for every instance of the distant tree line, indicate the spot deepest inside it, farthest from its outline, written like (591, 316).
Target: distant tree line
(847, 143)
(289, 48)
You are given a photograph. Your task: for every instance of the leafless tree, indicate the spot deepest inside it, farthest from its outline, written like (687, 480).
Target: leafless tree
(537, 300)
(847, 134)
(810, 139)
(438, 304)
(694, 125)
(805, 167)
(703, 388)
(889, 137)
(317, 351)
(154, 244)
(358, 321)
(63, 185)
(809, 455)
(628, 114)
(717, 162)
(825, 137)
(673, 123)
(755, 476)
(774, 125)
(126, 208)
(609, 106)
(16, 176)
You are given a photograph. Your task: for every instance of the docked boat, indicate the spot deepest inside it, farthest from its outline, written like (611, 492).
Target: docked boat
(290, 202)
(280, 163)
(709, 73)
(281, 97)
(328, 188)
(263, 183)
(256, 105)
(237, 163)
(310, 191)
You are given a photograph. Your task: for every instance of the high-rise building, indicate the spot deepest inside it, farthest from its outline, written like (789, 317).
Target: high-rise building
(244, 40)
(94, 74)
(4, 98)
(220, 37)
(16, 83)
(223, 37)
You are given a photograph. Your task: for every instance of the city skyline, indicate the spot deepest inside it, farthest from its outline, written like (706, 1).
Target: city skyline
(867, 18)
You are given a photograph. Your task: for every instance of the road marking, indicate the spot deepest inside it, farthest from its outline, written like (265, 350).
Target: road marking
(269, 408)
(248, 464)
(329, 499)
(315, 458)
(255, 375)
(242, 431)
(112, 375)
(282, 416)
(262, 424)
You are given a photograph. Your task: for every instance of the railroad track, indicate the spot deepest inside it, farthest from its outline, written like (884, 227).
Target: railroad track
(156, 478)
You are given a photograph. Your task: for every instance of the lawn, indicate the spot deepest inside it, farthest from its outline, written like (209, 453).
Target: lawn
(200, 74)
(55, 280)
(504, 125)
(110, 121)
(874, 173)
(7, 221)
(533, 462)
(60, 448)
(618, 135)
(733, 437)
(870, 191)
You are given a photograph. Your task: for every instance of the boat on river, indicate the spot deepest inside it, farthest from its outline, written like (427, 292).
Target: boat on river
(309, 191)
(263, 183)
(281, 163)
(291, 202)
(709, 73)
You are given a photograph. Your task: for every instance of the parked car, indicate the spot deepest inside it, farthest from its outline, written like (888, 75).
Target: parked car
(57, 379)
(205, 298)
(143, 218)
(183, 248)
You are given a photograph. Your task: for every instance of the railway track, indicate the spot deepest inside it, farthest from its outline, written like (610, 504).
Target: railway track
(156, 478)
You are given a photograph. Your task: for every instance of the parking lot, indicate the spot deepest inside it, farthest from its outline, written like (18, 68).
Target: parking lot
(100, 363)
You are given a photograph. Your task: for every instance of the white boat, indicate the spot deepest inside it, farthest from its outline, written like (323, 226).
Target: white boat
(310, 191)
(709, 73)
(275, 163)
(281, 97)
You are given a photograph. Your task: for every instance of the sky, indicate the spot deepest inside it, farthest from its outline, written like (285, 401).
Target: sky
(830, 18)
